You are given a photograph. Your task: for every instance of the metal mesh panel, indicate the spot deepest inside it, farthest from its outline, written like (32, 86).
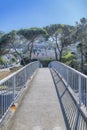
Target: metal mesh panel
(11, 86)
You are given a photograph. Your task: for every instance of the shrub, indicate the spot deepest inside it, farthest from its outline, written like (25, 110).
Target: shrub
(70, 59)
(2, 60)
(45, 62)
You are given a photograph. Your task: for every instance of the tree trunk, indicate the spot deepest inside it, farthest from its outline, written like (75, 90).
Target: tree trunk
(18, 53)
(31, 51)
(55, 54)
(60, 49)
(82, 62)
(60, 56)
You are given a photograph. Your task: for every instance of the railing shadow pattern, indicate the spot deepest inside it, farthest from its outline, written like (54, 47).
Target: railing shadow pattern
(73, 79)
(11, 87)
(74, 118)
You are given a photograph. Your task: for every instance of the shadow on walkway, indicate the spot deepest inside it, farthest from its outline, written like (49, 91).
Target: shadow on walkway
(74, 118)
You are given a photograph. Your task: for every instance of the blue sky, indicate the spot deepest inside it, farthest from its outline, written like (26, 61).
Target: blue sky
(17, 14)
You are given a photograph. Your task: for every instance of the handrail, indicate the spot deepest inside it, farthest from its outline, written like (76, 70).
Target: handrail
(11, 86)
(8, 77)
(74, 79)
(78, 72)
(75, 118)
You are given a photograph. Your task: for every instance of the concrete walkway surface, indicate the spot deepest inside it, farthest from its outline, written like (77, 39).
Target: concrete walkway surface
(40, 108)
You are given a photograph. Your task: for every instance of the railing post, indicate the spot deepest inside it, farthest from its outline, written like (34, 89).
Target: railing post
(67, 76)
(14, 86)
(86, 94)
(79, 87)
(25, 75)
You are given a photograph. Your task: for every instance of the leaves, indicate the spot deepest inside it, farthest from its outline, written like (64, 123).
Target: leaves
(59, 31)
(32, 33)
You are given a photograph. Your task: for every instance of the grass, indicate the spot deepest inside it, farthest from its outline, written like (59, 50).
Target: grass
(2, 87)
(4, 74)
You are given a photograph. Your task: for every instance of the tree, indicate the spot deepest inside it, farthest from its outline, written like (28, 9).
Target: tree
(31, 35)
(1, 34)
(2, 61)
(70, 59)
(80, 35)
(60, 36)
(8, 40)
(3, 46)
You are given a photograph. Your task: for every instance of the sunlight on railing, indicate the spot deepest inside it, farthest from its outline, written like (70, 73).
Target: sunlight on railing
(11, 86)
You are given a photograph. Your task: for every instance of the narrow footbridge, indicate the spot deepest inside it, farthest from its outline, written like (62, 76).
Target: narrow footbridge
(36, 98)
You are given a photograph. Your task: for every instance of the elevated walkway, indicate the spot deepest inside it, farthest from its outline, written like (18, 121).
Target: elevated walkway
(40, 108)
(54, 99)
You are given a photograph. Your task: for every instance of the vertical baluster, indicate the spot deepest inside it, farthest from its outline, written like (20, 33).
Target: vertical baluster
(86, 94)
(14, 86)
(80, 93)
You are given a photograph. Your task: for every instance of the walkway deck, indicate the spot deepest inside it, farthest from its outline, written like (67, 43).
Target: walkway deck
(40, 108)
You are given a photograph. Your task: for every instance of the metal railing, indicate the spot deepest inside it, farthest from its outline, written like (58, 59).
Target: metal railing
(74, 79)
(11, 86)
(74, 117)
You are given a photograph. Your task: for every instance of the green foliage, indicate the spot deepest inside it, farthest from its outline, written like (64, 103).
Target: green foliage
(69, 56)
(59, 30)
(65, 33)
(52, 29)
(2, 60)
(62, 25)
(2, 87)
(80, 36)
(13, 59)
(25, 61)
(32, 33)
(8, 38)
(1, 34)
(70, 59)
(45, 62)
(5, 40)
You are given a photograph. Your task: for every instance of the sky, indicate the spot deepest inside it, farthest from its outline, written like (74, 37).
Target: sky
(18, 14)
